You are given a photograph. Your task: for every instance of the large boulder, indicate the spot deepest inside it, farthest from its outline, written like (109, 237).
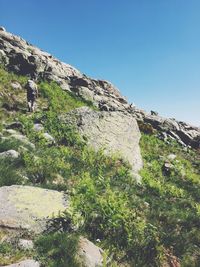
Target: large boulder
(26, 207)
(115, 132)
(12, 154)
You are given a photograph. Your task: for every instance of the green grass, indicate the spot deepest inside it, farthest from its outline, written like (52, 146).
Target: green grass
(140, 224)
(10, 253)
(57, 249)
(174, 199)
(9, 172)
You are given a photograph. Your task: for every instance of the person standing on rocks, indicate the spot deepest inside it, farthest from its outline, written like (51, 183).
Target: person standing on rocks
(32, 94)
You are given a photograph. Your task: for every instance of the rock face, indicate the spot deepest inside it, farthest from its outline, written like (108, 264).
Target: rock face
(26, 207)
(184, 133)
(115, 132)
(25, 59)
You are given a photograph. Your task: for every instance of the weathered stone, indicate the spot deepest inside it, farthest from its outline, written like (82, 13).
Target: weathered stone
(2, 29)
(28, 60)
(25, 263)
(49, 138)
(89, 254)
(86, 93)
(25, 244)
(16, 86)
(183, 133)
(9, 154)
(26, 207)
(38, 127)
(115, 132)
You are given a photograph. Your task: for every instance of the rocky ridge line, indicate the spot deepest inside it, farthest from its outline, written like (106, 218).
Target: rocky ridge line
(23, 58)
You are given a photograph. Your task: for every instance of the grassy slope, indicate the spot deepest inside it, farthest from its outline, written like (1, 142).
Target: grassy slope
(143, 225)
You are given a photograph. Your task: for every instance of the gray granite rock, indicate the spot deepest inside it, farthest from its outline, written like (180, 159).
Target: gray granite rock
(29, 208)
(9, 154)
(115, 132)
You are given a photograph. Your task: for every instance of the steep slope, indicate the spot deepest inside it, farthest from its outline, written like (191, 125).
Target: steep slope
(151, 223)
(25, 59)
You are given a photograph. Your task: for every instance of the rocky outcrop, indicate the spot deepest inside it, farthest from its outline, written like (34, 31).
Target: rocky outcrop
(29, 208)
(116, 132)
(25, 59)
(183, 133)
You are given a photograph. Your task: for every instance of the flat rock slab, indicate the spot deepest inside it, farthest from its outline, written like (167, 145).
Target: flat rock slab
(27, 207)
(25, 263)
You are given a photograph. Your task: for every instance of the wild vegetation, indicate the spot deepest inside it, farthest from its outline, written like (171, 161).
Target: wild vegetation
(151, 223)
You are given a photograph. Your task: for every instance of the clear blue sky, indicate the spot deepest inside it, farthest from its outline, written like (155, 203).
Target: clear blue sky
(149, 49)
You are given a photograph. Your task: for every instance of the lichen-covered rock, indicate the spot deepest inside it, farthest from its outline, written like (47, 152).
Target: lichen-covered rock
(25, 263)
(26, 207)
(12, 154)
(48, 138)
(115, 132)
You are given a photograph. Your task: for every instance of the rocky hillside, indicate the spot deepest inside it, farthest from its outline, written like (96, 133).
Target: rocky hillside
(88, 179)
